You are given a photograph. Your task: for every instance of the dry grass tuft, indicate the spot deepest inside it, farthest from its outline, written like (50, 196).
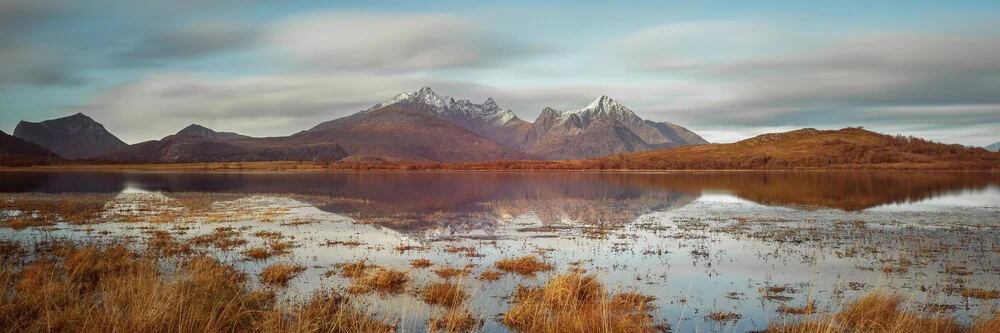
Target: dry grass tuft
(109, 289)
(444, 294)
(455, 320)
(981, 293)
(352, 270)
(450, 272)
(527, 265)
(578, 303)
(490, 275)
(258, 253)
(278, 274)
(876, 312)
(421, 263)
(386, 281)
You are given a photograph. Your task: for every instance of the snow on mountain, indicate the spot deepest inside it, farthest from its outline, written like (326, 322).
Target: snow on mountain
(427, 101)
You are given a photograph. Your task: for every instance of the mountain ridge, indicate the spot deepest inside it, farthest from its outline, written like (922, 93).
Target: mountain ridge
(205, 132)
(74, 136)
(554, 134)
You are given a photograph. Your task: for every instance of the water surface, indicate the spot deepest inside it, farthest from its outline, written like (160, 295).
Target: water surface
(698, 241)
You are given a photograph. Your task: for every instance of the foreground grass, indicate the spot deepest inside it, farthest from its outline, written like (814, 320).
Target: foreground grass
(66, 287)
(90, 289)
(879, 312)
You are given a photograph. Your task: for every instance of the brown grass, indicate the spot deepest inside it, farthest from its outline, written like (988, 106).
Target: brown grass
(455, 320)
(449, 272)
(258, 253)
(981, 293)
(354, 269)
(876, 312)
(578, 303)
(278, 274)
(490, 275)
(527, 265)
(421, 263)
(444, 294)
(93, 289)
(386, 281)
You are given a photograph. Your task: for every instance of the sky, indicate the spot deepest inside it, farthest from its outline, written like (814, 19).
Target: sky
(726, 70)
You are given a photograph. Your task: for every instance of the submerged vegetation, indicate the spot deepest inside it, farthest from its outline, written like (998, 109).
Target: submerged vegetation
(252, 263)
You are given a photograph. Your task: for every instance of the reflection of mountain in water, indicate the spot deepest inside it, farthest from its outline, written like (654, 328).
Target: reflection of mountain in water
(423, 193)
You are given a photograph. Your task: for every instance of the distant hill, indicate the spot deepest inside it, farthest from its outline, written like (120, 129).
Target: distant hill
(204, 132)
(805, 149)
(184, 148)
(993, 147)
(76, 136)
(15, 151)
(811, 148)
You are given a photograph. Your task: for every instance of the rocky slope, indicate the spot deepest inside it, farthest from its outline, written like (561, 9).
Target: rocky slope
(204, 132)
(76, 136)
(554, 134)
(15, 151)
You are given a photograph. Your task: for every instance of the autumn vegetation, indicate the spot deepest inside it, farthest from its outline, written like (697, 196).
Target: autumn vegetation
(68, 287)
(805, 149)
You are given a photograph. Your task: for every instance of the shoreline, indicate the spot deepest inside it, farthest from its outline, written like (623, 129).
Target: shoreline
(317, 167)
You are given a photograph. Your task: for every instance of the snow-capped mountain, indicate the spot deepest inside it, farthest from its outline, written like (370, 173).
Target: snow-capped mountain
(569, 134)
(425, 100)
(603, 127)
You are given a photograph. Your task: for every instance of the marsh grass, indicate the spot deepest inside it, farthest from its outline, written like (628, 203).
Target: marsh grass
(578, 303)
(526, 266)
(454, 320)
(880, 312)
(444, 294)
(421, 263)
(382, 280)
(279, 273)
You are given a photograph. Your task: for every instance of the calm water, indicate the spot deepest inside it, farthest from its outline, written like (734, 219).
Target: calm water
(699, 242)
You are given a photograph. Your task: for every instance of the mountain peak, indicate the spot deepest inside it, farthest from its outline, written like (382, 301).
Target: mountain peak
(424, 91)
(602, 102)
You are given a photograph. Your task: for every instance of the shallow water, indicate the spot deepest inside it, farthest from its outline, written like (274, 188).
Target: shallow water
(698, 241)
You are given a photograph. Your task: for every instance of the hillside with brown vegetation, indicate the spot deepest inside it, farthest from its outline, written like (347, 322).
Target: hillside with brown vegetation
(805, 149)
(15, 151)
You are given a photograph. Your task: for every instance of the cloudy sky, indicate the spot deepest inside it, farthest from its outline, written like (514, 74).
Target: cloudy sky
(728, 70)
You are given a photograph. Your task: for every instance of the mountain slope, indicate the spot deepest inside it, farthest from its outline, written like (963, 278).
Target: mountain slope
(76, 136)
(993, 147)
(15, 151)
(184, 148)
(850, 148)
(571, 139)
(486, 119)
(204, 132)
(392, 133)
(567, 134)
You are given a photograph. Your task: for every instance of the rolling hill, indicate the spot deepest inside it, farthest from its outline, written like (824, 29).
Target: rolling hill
(15, 151)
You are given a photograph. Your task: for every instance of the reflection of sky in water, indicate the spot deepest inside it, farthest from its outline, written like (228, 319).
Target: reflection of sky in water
(628, 259)
(989, 197)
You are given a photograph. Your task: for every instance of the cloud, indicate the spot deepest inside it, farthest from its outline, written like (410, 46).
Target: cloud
(269, 105)
(880, 79)
(32, 64)
(389, 43)
(193, 40)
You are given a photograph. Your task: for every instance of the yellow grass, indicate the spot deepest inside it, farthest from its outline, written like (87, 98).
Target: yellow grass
(92, 289)
(527, 265)
(278, 274)
(578, 303)
(445, 294)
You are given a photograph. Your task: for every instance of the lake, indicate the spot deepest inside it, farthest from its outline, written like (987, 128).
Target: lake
(746, 243)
